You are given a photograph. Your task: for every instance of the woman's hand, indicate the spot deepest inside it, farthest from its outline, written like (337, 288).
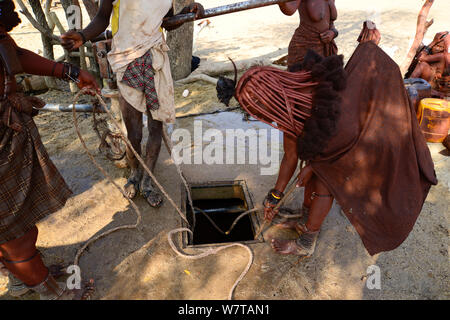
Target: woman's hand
(88, 83)
(421, 57)
(269, 212)
(196, 8)
(71, 40)
(304, 176)
(327, 36)
(272, 199)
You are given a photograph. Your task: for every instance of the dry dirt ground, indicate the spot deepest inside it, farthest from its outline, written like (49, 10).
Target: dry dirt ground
(139, 264)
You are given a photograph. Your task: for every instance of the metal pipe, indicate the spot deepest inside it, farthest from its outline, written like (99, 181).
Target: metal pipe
(218, 11)
(65, 108)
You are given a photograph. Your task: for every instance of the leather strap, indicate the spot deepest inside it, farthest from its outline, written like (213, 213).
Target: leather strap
(315, 194)
(21, 261)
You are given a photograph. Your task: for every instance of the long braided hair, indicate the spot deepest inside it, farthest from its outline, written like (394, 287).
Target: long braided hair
(303, 102)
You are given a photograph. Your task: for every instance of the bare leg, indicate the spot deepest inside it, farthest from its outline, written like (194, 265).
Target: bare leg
(32, 270)
(133, 122)
(293, 223)
(153, 147)
(24, 262)
(320, 206)
(307, 200)
(305, 244)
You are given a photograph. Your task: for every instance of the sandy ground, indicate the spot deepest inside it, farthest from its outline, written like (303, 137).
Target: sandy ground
(140, 264)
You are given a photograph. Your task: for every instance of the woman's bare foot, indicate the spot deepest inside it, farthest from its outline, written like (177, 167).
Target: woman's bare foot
(303, 246)
(288, 224)
(292, 223)
(287, 247)
(50, 289)
(132, 186)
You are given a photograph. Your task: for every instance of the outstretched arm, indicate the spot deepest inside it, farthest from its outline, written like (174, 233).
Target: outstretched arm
(72, 40)
(432, 57)
(37, 65)
(289, 8)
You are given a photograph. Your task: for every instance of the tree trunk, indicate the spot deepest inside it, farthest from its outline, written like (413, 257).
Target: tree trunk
(65, 4)
(91, 8)
(422, 27)
(40, 17)
(180, 44)
(47, 43)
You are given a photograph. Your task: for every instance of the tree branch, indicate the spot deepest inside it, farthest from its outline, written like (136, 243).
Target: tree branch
(35, 24)
(422, 27)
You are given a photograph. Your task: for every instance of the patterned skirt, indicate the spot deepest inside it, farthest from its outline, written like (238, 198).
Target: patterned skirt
(304, 38)
(31, 187)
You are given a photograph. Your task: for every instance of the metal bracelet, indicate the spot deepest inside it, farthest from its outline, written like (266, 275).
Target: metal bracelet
(336, 33)
(82, 36)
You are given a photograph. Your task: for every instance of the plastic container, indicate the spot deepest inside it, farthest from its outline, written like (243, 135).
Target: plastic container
(434, 119)
(417, 89)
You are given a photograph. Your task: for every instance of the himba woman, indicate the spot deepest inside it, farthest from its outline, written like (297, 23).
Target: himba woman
(31, 187)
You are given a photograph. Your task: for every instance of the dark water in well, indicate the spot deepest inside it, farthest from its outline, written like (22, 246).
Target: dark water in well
(223, 212)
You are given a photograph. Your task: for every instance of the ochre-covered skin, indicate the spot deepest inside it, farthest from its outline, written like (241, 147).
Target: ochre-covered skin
(31, 186)
(433, 66)
(316, 30)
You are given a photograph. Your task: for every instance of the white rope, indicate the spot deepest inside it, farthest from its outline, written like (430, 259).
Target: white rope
(212, 251)
(139, 218)
(99, 167)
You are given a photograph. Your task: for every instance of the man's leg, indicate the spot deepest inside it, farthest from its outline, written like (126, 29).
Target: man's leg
(133, 122)
(320, 206)
(153, 147)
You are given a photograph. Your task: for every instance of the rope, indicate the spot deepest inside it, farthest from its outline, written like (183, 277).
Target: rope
(211, 251)
(136, 209)
(284, 217)
(205, 253)
(267, 224)
(168, 144)
(115, 138)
